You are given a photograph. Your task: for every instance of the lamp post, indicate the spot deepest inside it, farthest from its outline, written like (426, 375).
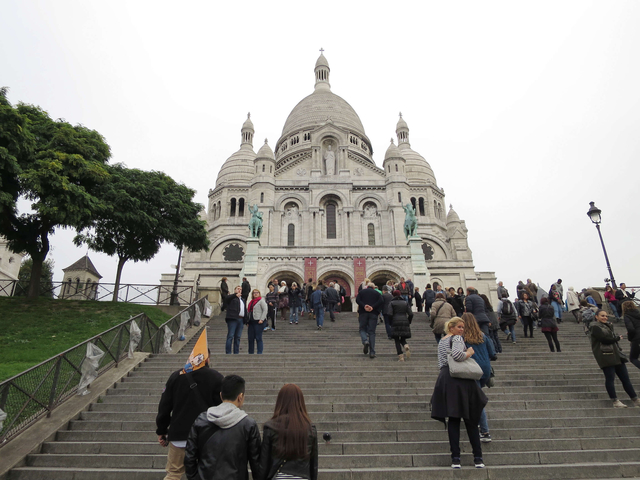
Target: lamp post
(174, 293)
(594, 214)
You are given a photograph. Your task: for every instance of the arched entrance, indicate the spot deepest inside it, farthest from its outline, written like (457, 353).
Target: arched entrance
(381, 277)
(287, 276)
(345, 282)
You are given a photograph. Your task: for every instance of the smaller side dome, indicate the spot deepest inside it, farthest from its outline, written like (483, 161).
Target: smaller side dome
(392, 151)
(452, 216)
(265, 151)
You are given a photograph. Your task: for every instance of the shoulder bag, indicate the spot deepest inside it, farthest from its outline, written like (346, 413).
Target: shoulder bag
(467, 369)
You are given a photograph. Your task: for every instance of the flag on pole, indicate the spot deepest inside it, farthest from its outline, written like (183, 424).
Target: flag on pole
(199, 354)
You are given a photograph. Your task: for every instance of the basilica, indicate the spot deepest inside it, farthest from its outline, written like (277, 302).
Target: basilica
(328, 211)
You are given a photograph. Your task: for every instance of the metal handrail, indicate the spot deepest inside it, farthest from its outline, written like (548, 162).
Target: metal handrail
(37, 391)
(143, 294)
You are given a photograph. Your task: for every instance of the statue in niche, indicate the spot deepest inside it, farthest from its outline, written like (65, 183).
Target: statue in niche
(255, 223)
(330, 161)
(292, 211)
(370, 210)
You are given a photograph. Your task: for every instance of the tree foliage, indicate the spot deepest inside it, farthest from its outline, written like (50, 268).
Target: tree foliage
(46, 280)
(141, 211)
(57, 167)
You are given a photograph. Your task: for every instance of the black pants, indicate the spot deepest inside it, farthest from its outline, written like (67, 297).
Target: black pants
(400, 343)
(454, 437)
(552, 336)
(271, 315)
(622, 373)
(438, 337)
(634, 353)
(331, 308)
(528, 324)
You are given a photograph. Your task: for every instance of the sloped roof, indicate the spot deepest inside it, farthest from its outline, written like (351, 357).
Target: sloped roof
(84, 263)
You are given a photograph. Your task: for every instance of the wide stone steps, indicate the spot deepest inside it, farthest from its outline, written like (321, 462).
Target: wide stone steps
(549, 414)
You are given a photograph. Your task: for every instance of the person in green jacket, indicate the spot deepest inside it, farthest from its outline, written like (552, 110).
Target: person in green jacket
(604, 343)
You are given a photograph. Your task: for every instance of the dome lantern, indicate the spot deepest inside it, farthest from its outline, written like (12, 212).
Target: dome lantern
(322, 73)
(247, 131)
(402, 130)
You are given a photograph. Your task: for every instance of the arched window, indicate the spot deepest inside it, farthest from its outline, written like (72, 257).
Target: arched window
(331, 220)
(389, 167)
(399, 197)
(396, 167)
(264, 167)
(435, 209)
(291, 235)
(421, 205)
(219, 209)
(232, 212)
(77, 285)
(241, 207)
(262, 197)
(371, 231)
(413, 202)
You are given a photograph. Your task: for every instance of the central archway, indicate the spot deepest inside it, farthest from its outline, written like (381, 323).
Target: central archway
(345, 281)
(381, 277)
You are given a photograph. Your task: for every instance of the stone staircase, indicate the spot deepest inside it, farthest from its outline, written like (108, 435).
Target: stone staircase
(549, 413)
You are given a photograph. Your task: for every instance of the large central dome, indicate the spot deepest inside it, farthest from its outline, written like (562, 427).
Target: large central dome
(321, 106)
(317, 108)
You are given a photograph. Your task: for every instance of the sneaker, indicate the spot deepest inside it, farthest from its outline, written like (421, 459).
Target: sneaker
(365, 348)
(636, 402)
(265, 329)
(485, 437)
(290, 323)
(514, 342)
(618, 404)
(296, 323)
(478, 462)
(372, 355)
(273, 329)
(319, 327)
(455, 463)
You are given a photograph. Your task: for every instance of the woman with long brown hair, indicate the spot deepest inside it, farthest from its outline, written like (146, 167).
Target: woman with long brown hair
(289, 439)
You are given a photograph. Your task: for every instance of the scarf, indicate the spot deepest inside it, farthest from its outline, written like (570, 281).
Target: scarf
(253, 302)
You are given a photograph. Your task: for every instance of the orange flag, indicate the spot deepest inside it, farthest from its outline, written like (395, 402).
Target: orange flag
(199, 354)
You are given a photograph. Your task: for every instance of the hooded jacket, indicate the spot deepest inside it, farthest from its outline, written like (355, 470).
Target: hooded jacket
(222, 440)
(632, 322)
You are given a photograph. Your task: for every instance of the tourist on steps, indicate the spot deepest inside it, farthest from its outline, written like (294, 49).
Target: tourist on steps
(507, 317)
(295, 303)
(272, 304)
(370, 303)
(548, 325)
(256, 319)
(441, 313)
(283, 300)
(484, 352)
(456, 398)
(236, 312)
(494, 326)
(631, 316)
(289, 440)
(401, 317)
(604, 344)
(526, 309)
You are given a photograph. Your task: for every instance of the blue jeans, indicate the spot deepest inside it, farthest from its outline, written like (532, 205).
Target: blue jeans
(255, 333)
(512, 329)
(367, 322)
(234, 332)
(484, 424)
(557, 308)
(293, 314)
(319, 311)
(387, 324)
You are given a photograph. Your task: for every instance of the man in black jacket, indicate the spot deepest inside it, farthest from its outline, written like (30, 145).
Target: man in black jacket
(246, 289)
(474, 304)
(369, 303)
(333, 298)
(185, 396)
(223, 439)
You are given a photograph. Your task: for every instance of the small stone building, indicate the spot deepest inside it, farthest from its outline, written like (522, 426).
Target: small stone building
(81, 280)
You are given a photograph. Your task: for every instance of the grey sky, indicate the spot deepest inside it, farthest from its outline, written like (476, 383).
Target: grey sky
(526, 111)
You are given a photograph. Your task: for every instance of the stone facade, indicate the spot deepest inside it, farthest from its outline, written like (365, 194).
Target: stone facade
(9, 268)
(329, 211)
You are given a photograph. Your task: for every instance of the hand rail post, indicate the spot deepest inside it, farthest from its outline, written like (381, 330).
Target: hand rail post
(52, 395)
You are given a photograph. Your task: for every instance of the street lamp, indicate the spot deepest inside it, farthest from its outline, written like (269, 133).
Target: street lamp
(594, 214)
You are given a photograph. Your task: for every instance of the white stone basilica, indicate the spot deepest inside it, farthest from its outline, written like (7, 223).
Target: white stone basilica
(329, 212)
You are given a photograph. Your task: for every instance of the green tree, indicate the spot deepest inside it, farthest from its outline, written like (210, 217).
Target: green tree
(142, 211)
(46, 280)
(54, 165)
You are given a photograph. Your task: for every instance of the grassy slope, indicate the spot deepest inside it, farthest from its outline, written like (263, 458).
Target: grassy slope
(32, 331)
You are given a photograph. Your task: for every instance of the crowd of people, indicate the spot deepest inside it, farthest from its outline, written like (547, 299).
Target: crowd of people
(465, 325)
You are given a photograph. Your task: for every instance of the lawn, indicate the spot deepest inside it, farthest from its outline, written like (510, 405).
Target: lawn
(32, 331)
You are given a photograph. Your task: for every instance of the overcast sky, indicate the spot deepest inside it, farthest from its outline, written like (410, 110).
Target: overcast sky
(526, 111)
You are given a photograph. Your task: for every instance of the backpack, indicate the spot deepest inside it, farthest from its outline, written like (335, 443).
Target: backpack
(507, 308)
(587, 316)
